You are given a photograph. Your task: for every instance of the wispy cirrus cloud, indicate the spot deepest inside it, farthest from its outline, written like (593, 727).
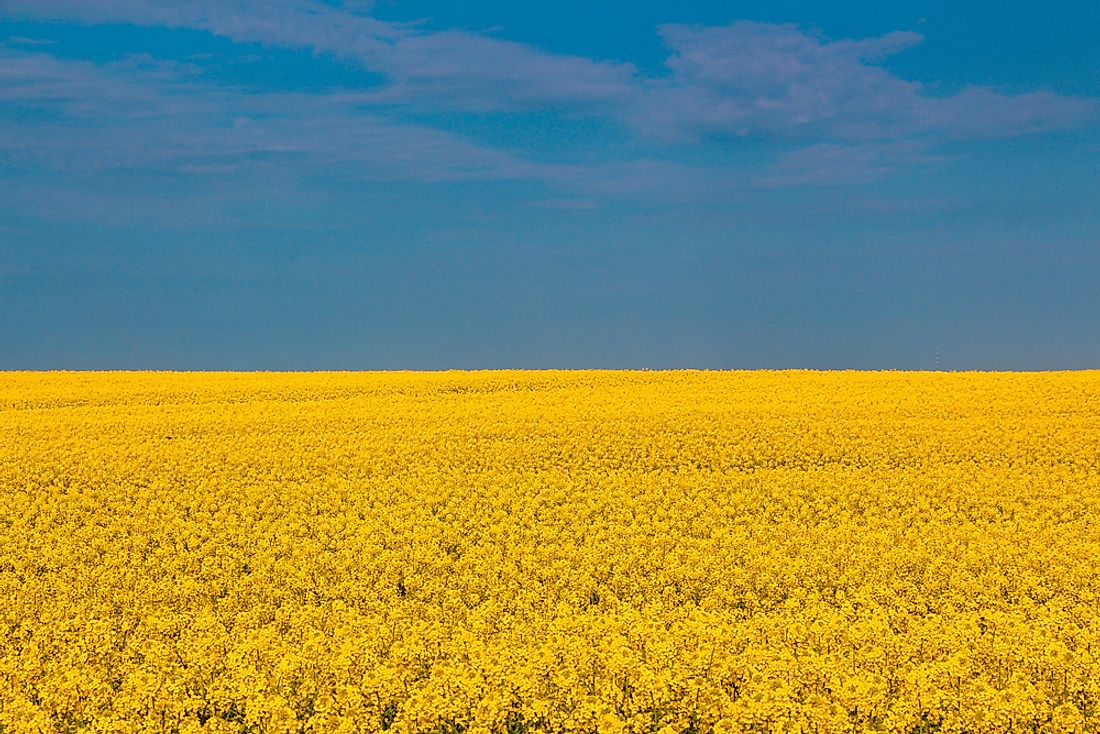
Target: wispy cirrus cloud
(757, 78)
(303, 23)
(835, 163)
(464, 71)
(453, 69)
(848, 119)
(28, 41)
(830, 102)
(139, 115)
(76, 126)
(740, 79)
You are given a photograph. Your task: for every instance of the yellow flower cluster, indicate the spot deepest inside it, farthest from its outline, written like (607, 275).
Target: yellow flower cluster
(607, 552)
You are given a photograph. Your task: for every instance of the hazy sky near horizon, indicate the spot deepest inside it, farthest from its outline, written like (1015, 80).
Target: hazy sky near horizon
(300, 184)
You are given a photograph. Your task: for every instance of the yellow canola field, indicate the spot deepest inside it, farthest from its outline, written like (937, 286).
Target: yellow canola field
(610, 552)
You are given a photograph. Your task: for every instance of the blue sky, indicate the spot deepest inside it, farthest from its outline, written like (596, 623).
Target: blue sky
(298, 184)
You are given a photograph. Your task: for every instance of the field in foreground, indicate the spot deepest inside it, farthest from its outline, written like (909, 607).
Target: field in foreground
(550, 551)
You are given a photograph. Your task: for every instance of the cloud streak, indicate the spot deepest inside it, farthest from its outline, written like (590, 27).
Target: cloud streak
(830, 102)
(143, 114)
(758, 79)
(455, 69)
(79, 135)
(833, 163)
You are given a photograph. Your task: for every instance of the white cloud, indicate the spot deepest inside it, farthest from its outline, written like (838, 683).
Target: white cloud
(826, 99)
(26, 41)
(835, 163)
(143, 115)
(756, 79)
(745, 78)
(80, 137)
(465, 71)
(454, 69)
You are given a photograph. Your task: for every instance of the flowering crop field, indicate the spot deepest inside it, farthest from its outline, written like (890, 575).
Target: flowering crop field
(611, 552)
